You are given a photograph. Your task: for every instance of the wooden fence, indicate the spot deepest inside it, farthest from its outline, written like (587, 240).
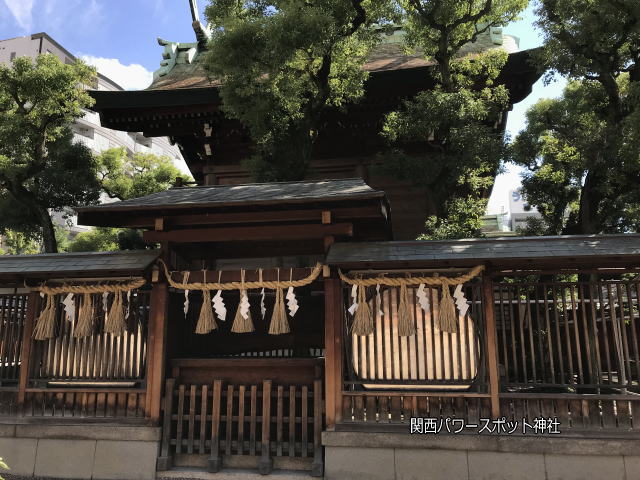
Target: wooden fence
(13, 308)
(568, 351)
(571, 335)
(263, 421)
(94, 403)
(99, 358)
(428, 359)
(99, 377)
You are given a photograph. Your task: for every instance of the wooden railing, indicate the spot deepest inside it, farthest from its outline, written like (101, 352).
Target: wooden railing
(225, 420)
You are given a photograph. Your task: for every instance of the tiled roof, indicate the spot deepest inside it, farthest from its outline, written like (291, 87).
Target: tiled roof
(121, 262)
(246, 194)
(513, 248)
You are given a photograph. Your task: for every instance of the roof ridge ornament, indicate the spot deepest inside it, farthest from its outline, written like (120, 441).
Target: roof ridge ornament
(202, 32)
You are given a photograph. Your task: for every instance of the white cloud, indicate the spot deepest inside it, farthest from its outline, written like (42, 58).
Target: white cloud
(129, 77)
(21, 11)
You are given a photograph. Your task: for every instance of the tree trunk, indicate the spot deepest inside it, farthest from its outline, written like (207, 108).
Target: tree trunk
(587, 221)
(48, 231)
(25, 197)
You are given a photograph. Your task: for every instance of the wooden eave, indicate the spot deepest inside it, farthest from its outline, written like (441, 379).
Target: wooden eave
(122, 109)
(356, 216)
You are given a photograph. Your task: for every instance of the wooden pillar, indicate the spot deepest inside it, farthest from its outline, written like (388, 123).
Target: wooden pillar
(333, 351)
(25, 352)
(317, 467)
(156, 348)
(165, 459)
(492, 348)
(266, 462)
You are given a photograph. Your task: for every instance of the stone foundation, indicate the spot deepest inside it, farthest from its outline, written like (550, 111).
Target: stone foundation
(395, 456)
(96, 452)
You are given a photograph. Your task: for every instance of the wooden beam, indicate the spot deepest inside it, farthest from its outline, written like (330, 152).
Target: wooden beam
(492, 348)
(27, 341)
(270, 274)
(181, 220)
(230, 234)
(328, 241)
(333, 351)
(157, 346)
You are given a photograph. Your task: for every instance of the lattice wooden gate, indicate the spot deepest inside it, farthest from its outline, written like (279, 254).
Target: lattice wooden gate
(208, 425)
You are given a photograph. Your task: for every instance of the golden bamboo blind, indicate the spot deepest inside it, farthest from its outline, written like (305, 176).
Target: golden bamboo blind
(430, 358)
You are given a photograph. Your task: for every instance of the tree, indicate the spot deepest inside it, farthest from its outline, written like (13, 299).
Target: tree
(577, 181)
(583, 150)
(125, 176)
(458, 119)
(282, 63)
(40, 166)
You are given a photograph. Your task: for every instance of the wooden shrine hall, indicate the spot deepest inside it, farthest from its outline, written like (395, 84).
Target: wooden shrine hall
(295, 327)
(279, 327)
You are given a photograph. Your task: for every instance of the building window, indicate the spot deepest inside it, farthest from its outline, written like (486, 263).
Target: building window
(13, 55)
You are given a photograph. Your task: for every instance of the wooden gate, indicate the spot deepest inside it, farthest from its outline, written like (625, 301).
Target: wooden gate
(243, 422)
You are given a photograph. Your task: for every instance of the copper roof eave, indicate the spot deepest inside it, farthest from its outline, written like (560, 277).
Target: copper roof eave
(519, 62)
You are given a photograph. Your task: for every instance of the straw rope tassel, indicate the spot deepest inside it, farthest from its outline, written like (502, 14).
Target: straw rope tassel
(279, 322)
(447, 320)
(363, 318)
(84, 327)
(115, 319)
(45, 325)
(240, 323)
(206, 320)
(406, 324)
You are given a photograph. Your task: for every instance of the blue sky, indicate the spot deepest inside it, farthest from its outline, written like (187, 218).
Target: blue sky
(119, 37)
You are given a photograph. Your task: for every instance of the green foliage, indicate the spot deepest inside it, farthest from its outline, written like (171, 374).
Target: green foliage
(123, 176)
(534, 227)
(100, 239)
(582, 151)
(581, 174)
(283, 63)
(19, 243)
(4, 466)
(458, 120)
(440, 28)
(105, 239)
(464, 220)
(591, 39)
(40, 167)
